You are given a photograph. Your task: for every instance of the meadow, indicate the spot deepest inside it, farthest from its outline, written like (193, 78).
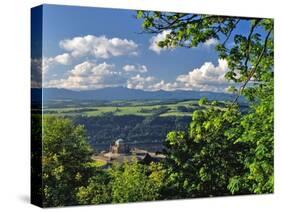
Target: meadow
(123, 107)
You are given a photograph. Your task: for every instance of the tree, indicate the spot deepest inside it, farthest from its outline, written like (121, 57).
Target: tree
(66, 161)
(192, 155)
(133, 182)
(182, 108)
(257, 132)
(97, 191)
(204, 159)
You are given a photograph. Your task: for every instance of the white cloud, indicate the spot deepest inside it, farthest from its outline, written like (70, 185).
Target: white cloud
(206, 78)
(162, 85)
(162, 36)
(39, 67)
(36, 72)
(63, 59)
(140, 82)
(210, 42)
(156, 39)
(99, 47)
(88, 75)
(150, 83)
(135, 68)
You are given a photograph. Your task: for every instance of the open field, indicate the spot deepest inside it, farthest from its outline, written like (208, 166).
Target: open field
(120, 108)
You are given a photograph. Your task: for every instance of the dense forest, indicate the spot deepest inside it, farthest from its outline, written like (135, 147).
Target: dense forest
(131, 128)
(221, 150)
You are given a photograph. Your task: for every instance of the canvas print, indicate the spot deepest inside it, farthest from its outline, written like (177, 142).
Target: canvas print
(133, 106)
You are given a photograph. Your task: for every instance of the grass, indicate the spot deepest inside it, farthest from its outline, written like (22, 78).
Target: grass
(139, 108)
(99, 163)
(175, 113)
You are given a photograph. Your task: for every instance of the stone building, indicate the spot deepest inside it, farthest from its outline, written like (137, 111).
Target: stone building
(119, 147)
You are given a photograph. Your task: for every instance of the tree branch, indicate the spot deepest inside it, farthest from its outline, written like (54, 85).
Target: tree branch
(253, 71)
(230, 32)
(249, 45)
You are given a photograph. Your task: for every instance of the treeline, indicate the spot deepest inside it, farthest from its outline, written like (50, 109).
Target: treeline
(78, 110)
(107, 128)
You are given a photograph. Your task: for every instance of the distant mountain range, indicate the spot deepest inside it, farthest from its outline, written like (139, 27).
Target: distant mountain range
(121, 93)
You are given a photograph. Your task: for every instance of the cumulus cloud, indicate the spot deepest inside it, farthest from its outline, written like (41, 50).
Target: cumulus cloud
(63, 59)
(162, 36)
(99, 47)
(210, 42)
(36, 72)
(141, 82)
(39, 67)
(206, 78)
(135, 68)
(88, 75)
(156, 39)
(167, 86)
(150, 83)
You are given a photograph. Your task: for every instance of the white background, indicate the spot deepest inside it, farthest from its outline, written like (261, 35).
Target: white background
(15, 98)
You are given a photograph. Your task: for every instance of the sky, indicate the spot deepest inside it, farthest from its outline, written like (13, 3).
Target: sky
(87, 48)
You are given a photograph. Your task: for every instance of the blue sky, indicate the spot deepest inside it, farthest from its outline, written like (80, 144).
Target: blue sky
(92, 48)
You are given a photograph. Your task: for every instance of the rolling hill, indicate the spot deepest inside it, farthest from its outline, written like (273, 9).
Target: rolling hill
(121, 93)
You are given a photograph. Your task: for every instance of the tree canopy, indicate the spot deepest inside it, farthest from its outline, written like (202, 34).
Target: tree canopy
(223, 151)
(66, 161)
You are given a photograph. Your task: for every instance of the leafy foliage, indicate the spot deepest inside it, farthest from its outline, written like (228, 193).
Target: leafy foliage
(224, 150)
(257, 132)
(133, 182)
(98, 190)
(203, 160)
(66, 161)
